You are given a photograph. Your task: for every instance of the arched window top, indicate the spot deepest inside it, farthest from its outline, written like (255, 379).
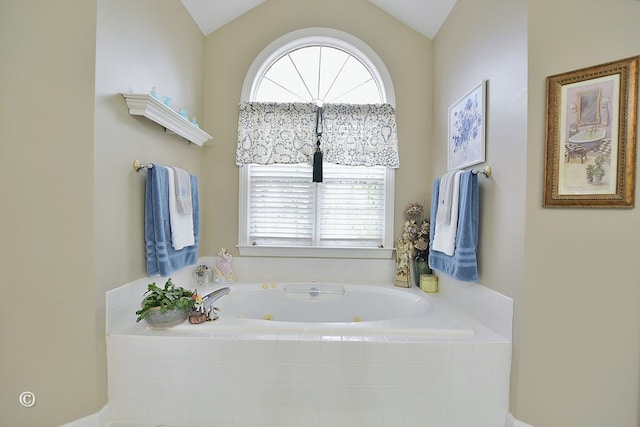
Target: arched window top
(318, 65)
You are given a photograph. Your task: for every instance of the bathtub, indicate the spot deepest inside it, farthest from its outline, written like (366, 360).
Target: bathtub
(313, 306)
(318, 354)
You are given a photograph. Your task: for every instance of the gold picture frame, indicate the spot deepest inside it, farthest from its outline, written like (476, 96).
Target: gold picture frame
(591, 136)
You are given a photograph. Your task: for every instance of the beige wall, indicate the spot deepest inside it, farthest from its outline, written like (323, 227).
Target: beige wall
(47, 320)
(71, 205)
(229, 54)
(577, 326)
(138, 47)
(72, 227)
(464, 54)
(579, 343)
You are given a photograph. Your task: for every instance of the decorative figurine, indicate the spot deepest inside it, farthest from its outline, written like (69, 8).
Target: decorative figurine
(223, 270)
(404, 252)
(197, 313)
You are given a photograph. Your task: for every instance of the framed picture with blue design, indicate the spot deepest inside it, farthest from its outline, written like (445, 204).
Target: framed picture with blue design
(467, 126)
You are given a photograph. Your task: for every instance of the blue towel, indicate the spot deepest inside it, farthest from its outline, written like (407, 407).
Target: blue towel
(161, 257)
(463, 264)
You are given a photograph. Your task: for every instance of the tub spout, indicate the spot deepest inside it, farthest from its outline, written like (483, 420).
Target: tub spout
(209, 299)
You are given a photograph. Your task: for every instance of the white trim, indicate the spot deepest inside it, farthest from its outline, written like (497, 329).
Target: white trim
(375, 65)
(101, 418)
(328, 36)
(315, 252)
(513, 422)
(246, 249)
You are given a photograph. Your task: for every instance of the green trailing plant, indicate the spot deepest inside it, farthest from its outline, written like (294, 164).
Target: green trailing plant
(168, 298)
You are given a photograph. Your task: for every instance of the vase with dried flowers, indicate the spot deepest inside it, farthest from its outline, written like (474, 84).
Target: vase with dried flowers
(412, 249)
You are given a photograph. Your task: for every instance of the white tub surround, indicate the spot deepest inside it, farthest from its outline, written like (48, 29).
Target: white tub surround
(227, 374)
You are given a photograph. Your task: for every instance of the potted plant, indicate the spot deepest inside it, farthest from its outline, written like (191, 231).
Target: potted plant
(598, 170)
(589, 172)
(167, 306)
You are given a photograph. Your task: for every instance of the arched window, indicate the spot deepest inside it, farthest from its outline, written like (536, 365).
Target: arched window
(281, 211)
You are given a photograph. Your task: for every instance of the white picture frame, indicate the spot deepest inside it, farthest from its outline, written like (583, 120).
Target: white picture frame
(467, 128)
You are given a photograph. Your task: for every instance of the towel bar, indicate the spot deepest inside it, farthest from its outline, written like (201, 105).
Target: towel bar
(486, 172)
(138, 166)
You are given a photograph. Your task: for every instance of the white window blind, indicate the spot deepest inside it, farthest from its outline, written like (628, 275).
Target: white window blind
(281, 205)
(350, 206)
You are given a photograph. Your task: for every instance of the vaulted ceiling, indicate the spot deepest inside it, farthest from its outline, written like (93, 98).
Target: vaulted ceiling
(424, 16)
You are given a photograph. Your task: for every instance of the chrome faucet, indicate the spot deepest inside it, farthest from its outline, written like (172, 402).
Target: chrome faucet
(209, 299)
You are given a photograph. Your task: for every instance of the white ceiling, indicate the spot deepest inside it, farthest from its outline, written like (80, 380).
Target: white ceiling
(424, 16)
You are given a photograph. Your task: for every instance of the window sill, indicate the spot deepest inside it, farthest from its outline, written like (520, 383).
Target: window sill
(315, 252)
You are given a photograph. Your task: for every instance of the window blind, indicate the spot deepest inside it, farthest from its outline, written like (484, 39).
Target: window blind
(281, 205)
(283, 202)
(352, 206)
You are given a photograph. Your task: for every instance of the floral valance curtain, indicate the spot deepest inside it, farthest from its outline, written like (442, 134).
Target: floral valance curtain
(352, 134)
(360, 135)
(271, 133)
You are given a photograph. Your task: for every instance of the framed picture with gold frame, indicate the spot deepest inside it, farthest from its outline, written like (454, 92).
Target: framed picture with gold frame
(591, 136)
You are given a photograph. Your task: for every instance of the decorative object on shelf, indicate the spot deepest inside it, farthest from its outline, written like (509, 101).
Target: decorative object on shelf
(166, 100)
(165, 307)
(591, 136)
(467, 124)
(223, 271)
(184, 113)
(154, 93)
(159, 112)
(412, 249)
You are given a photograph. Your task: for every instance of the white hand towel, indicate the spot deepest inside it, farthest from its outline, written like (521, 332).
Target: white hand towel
(445, 198)
(181, 223)
(444, 238)
(183, 190)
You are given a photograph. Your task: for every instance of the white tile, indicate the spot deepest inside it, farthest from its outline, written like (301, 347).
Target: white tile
(117, 369)
(415, 415)
(438, 375)
(437, 395)
(481, 375)
(461, 396)
(372, 415)
(483, 354)
(353, 352)
(136, 369)
(440, 354)
(309, 352)
(117, 390)
(287, 351)
(396, 353)
(375, 352)
(136, 347)
(417, 353)
(393, 415)
(350, 416)
(331, 351)
(500, 375)
(461, 354)
(502, 353)
(460, 375)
